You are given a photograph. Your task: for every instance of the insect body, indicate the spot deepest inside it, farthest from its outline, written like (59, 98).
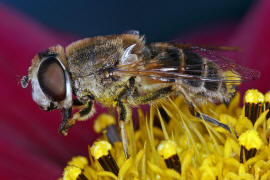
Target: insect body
(122, 71)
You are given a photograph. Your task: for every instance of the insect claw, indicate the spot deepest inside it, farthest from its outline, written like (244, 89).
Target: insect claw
(63, 130)
(65, 126)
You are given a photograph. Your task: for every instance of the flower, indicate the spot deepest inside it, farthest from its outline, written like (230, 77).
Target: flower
(186, 147)
(31, 148)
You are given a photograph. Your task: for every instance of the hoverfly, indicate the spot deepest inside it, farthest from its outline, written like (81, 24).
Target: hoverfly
(123, 71)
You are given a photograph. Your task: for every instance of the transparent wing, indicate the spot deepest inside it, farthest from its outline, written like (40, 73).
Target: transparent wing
(156, 70)
(224, 63)
(171, 76)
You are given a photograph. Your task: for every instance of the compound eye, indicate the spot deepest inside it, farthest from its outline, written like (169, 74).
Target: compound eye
(51, 77)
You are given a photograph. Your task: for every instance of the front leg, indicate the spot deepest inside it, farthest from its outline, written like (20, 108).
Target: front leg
(65, 123)
(68, 121)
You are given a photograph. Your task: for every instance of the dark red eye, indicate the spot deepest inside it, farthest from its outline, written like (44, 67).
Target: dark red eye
(52, 80)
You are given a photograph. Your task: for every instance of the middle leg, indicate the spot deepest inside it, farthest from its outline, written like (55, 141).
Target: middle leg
(124, 116)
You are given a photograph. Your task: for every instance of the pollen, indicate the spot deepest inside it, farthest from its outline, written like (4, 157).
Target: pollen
(71, 173)
(254, 104)
(78, 161)
(254, 96)
(100, 149)
(250, 139)
(167, 149)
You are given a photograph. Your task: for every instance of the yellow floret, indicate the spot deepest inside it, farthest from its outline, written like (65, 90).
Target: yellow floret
(103, 121)
(243, 124)
(267, 97)
(203, 151)
(78, 161)
(100, 148)
(250, 139)
(71, 173)
(254, 96)
(167, 149)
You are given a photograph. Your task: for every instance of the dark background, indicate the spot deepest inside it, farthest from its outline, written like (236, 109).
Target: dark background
(159, 20)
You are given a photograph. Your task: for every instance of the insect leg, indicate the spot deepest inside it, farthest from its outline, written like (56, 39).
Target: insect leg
(68, 121)
(86, 112)
(124, 116)
(200, 115)
(206, 117)
(155, 95)
(124, 112)
(76, 102)
(65, 123)
(212, 120)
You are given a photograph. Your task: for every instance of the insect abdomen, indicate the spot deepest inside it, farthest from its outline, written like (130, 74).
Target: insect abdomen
(201, 77)
(193, 65)
(200, 67)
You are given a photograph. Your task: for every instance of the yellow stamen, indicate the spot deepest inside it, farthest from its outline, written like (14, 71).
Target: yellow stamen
(100, 148)
(206, 152)
(167, 149)
(254, 96)
(254, 104)
(250, 139)
(71, 173)
(101, 152)
(267, 103)
(78, 161)
(267, 97)
(103, 121)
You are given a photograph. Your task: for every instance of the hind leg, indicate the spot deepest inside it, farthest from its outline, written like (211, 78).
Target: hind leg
(198, 114)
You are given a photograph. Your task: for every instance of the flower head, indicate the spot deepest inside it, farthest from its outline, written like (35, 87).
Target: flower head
(188, 147)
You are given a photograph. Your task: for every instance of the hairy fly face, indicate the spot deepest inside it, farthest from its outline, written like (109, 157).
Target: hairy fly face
(51, 86)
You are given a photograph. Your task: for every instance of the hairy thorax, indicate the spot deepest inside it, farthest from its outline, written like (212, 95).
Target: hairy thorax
(104, 90)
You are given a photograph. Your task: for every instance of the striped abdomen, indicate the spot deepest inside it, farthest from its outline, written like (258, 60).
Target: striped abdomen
(206, 78)
(213, 86)
(201, 67)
